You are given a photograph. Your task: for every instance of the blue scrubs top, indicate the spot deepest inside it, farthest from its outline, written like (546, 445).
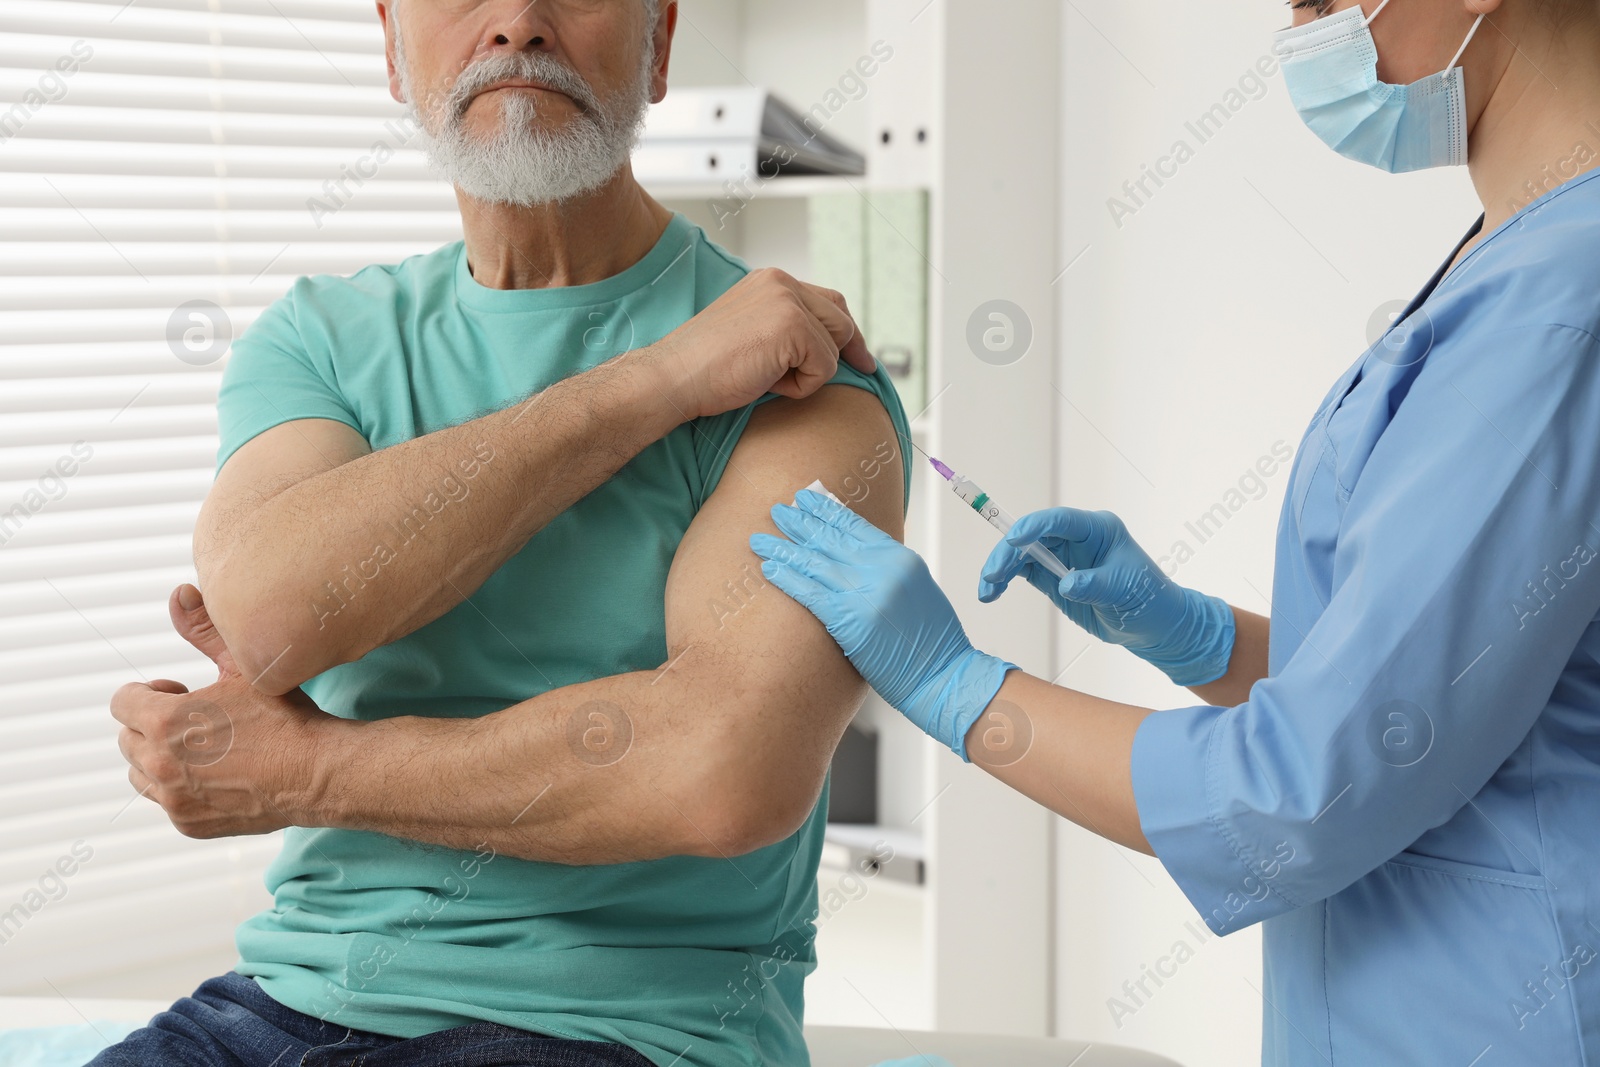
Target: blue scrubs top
(1410, 801)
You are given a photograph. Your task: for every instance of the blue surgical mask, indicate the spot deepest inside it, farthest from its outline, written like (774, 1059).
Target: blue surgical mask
(1330, 66)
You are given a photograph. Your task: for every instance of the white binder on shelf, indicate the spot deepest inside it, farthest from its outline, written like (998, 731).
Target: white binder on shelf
(731, 132)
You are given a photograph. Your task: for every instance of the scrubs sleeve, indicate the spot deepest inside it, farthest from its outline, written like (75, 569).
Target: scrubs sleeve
(1463, 578)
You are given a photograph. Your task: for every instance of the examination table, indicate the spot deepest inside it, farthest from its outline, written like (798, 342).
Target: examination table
(78, 1029)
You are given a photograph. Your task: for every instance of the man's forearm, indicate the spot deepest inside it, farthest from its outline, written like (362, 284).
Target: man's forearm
(625, 768)
(365, 553)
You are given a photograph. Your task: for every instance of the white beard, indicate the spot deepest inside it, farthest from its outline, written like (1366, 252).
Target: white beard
(519, 164)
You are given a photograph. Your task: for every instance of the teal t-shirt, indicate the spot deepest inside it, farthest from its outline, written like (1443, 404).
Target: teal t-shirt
(691, 961)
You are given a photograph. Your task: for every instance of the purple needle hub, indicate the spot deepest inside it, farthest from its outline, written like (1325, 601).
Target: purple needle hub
(942, 469)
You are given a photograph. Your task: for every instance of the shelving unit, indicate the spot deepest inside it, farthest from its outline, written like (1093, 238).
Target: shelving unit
(971, 948)
(793, 187)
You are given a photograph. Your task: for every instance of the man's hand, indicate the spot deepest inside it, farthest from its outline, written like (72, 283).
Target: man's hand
(223, 760)
(769, 333)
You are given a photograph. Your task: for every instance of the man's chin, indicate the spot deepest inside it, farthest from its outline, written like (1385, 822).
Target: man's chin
(549, 112)
(545, 97)
(519, 192)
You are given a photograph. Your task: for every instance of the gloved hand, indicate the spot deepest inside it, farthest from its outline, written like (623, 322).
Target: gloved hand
(1116, 592)
(877, 599)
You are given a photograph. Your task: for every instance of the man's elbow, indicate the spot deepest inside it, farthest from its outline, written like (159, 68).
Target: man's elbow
(740, 828)
(743, 812)
(273, 647)
(762, 774)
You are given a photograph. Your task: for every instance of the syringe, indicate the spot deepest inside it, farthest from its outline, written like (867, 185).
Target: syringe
(984, 505)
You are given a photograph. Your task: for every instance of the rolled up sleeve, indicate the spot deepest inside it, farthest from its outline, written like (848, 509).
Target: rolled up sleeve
(1464, 574)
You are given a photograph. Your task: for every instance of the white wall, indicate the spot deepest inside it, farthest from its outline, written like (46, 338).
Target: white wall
(1204, 329)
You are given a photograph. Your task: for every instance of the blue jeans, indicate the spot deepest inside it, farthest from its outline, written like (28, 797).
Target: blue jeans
(230, 1021)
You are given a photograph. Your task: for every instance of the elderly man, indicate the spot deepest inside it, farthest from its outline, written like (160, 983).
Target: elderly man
(492, 645)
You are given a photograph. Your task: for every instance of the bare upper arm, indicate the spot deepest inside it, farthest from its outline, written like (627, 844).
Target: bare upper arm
(260, 469)
(773, 692)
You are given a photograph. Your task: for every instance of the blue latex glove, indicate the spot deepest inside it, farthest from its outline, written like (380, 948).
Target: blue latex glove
(1117, 593)
(877, 599)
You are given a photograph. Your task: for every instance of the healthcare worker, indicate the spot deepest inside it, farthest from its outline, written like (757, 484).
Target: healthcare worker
(1398, 774)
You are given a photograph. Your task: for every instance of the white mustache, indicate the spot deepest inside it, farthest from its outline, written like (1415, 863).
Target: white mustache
(534, 67)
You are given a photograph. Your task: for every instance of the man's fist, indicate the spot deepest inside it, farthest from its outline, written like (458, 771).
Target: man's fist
(223, 760)
(769, 333)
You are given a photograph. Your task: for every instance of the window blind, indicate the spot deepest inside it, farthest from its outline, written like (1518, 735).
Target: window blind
(167, 169)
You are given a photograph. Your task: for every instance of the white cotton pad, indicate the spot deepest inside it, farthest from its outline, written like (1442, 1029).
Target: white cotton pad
(818, 487)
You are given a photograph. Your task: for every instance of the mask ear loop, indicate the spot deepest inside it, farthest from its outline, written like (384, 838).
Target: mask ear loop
(1459, 52)
(1463, 49)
